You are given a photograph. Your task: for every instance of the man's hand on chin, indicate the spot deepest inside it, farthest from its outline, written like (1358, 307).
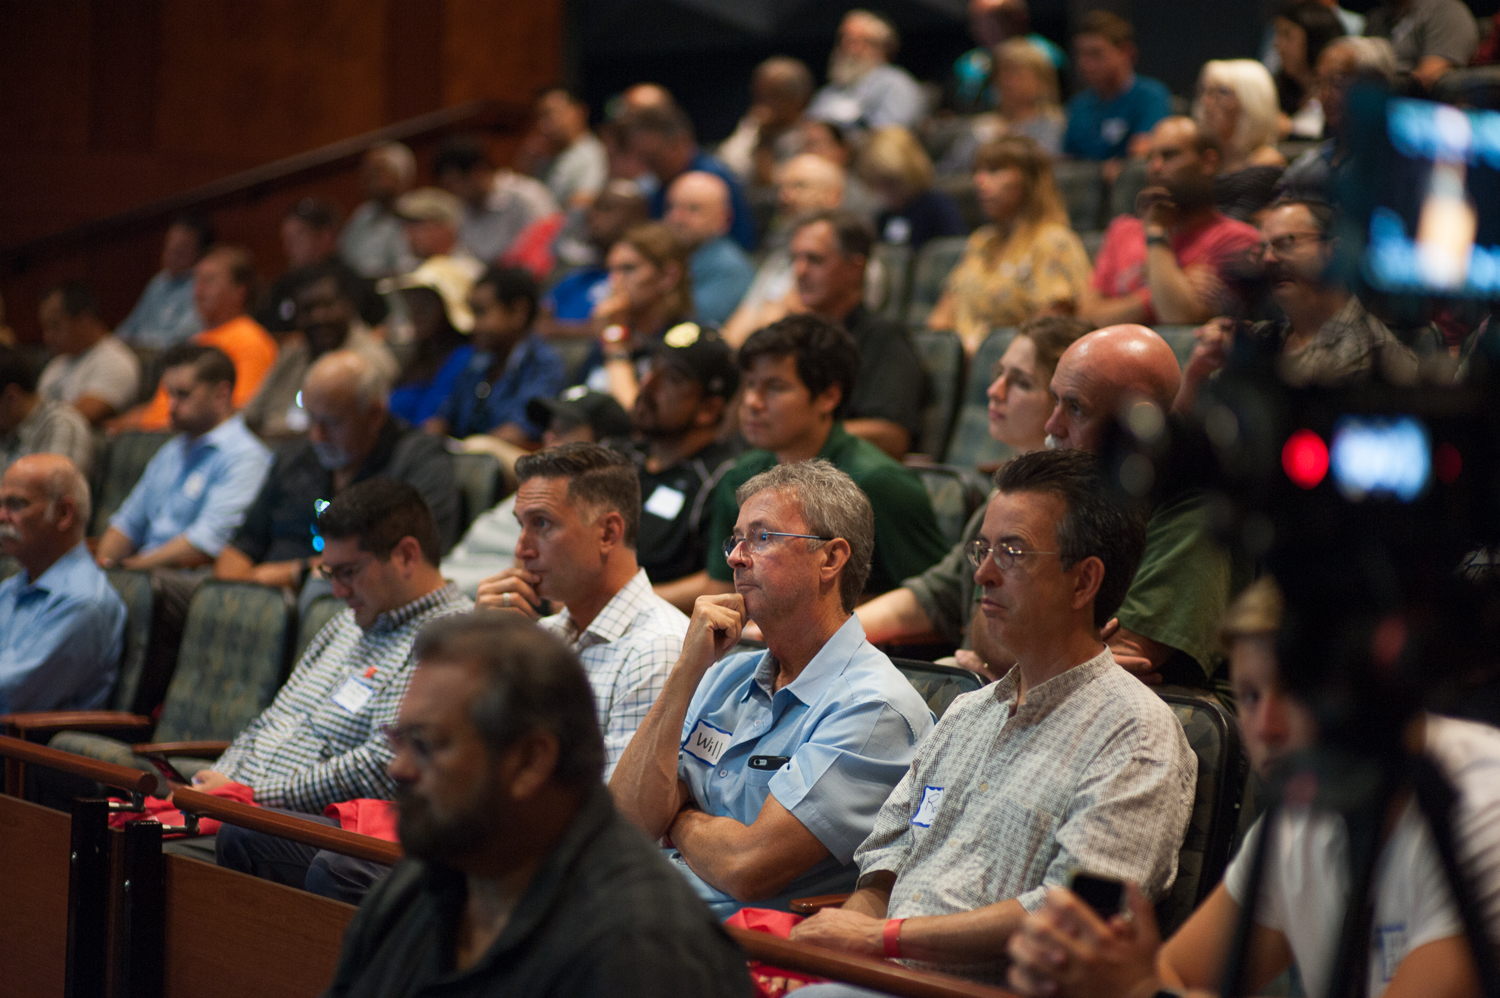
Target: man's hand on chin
(851, 932)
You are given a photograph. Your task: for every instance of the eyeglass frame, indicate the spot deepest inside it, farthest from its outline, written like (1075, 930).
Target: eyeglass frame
(731, 542)
(344, 575)
(400, 736)
(1013, 554)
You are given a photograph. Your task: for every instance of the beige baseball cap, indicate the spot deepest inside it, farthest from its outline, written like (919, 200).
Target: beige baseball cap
(449, 278)
(430, 204)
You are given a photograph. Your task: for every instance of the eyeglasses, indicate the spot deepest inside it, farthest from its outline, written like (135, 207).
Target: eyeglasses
(344, 575)
(1286, 243)
(757, 541)
(1006, 555)
(402, 736)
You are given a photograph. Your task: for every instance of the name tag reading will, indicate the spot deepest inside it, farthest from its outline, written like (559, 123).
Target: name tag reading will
(665, 502)
(353, 695)
(931, 798)
(707, 743)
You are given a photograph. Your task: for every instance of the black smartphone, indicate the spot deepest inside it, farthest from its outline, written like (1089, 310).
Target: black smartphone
(1102, 894)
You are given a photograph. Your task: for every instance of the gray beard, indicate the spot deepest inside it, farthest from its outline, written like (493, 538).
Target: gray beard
(844, 71)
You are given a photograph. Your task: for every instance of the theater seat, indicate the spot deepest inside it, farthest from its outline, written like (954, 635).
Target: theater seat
(120, 464)
(318, 613)
(138, 589)
(971, 445)
(934, 263)
(1127, 186)
(235, 650)
(937, 684)
(1180, 339)
(893, 264)
(955, 494)
(1081, 183)
(478, 479)
(942, 355)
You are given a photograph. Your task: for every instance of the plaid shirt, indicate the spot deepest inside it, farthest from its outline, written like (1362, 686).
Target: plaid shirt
(1092, 772)
(627, 650)
(309, 749)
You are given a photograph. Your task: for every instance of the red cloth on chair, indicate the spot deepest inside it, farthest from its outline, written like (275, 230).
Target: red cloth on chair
(771, 982)
(158, 809)
(366, 816)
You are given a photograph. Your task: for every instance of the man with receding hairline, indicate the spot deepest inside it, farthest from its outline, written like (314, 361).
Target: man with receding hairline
(62, 625)
(780, 90)
(699, 216)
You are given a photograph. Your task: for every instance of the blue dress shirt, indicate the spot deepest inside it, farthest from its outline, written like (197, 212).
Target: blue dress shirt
(165, 314)
(61, 636)
(742, 227)
(421, 400)
(829, 746)
(196, 487)
(1099, 129)
(721, 274)
(533, 370)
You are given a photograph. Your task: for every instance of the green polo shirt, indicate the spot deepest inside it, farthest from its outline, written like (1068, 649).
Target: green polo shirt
(907, 538)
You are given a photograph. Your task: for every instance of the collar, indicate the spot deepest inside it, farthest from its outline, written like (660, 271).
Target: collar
(1044, 698)
(401, 616)
(220, 435)
(829, 663)
(837, 437)
(58, 573)
(614, 619)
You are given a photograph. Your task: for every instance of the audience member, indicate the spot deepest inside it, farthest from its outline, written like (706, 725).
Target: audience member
(661, 137)
(90, 369)
(1111, 117)
(828, 141)
(698, 216)
(1326, 337)
(804, 184)
(1084, 767)
(896, 167)
(62, 625)
(830, 251)
(324, 303)
(1167, 263)
(944, 599)
(1027, 262)
(798, 379)
(1028, 107)
(323, 739)
(579, 507)
(7, 334)
(430, 220)
(1067, 951)
(510, 365)
(373, 241)
(435, 298)
(821, 711)
(1343, 62)
(351, 437)
(193, 493)
(309, 237)
(1237, 106)
(780, 90)
(499, 205)
(573, 164)
(1430, 37)
(567, 307)
(489, 546)
(223, 284)
(649, 293)
(164, 315)
(994, 24)
(864, 89)
(565, 899)
(1302, 30)
(30, 424)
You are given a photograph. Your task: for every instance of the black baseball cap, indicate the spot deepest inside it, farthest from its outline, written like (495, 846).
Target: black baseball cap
(698, 351)
(578, 406)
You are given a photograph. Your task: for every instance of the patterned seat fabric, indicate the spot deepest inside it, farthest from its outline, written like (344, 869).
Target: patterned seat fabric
(934, 263)
(971, 445)
(894, 264)
(938, 685)
(478, 478)
(120, 465)
(137, 590)
(955, 493)
(1081, 183)
(942, 356)
(1222, 770)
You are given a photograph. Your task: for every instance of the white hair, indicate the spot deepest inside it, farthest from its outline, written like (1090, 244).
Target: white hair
(1256, 93)
(1372, 56)
(400, 157)
(65, 480)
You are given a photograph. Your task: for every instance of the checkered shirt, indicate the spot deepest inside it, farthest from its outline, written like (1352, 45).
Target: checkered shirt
(305, 751)
(627, 650)
(1092, 772)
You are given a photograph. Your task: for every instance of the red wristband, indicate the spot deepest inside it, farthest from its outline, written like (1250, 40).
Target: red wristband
(892, 937)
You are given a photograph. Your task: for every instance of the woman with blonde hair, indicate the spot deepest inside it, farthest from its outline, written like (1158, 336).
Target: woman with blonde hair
(1027, 262)
(896, 167)
(1237, 105)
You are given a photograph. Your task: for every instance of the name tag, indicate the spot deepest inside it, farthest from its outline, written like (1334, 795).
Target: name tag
(665, 503)
(707, 743)
(931, 798)
(353, 695)
(192, 486)
(1113, 129)
(296, 417)
(1392, 942)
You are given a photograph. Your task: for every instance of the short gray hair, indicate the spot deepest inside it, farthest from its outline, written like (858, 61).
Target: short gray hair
(66, 480)
(832, 506)
(1373, 57)
(400, 157)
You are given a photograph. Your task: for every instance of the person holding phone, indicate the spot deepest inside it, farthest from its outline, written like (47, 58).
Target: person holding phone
(1068, 762)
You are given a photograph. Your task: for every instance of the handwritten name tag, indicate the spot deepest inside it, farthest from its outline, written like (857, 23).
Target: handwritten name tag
(931, 798)
(353, 695)
(707, 742)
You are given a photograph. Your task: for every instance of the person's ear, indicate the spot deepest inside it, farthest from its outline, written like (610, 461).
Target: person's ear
(835, 557)
(1088, 576)
(67, 514)
(611, 526)
(407, 555)
(826, 403)
(528, 764)
(224, 394)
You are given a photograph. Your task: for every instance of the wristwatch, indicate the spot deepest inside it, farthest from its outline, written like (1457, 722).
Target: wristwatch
(1157, 237)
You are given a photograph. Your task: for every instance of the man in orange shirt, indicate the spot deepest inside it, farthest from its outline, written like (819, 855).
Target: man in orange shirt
(222, 281)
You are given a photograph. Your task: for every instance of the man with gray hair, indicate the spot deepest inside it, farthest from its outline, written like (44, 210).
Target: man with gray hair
(62, 626)
(373, 242)
(766, 769)
(864, 90)
(351, 437)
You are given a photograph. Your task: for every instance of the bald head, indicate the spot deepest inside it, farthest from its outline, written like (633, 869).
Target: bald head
(782, 87)
(348, 377)
(647, 95)
(808, 183)
(345, 399)
(44, 510)
(698, 208)
(1101, 373)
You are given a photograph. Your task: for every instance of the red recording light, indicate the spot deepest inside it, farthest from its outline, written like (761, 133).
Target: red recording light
(1447, 463)
(1305, 459)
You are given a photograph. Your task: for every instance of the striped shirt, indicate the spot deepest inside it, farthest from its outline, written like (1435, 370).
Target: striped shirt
(320, 741)
(627, 650)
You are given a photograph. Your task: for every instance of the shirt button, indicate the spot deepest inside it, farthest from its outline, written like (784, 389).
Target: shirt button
(723, 773)
(984, 786)
(916, 895)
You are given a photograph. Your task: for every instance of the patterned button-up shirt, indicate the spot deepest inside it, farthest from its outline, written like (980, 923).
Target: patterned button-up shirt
(627, 650)
(320, 741)
(1092, 772)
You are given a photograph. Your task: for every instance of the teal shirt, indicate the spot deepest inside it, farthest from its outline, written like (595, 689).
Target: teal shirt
(907, 538)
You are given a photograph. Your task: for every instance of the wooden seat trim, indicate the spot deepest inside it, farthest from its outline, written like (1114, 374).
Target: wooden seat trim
(16, 750)
(274, 823)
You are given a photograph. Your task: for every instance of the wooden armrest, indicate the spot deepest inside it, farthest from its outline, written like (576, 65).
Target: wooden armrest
(807, 906)
(73, 720)
(107, 773)
(203, 750)
(308, 833)
(887, 978)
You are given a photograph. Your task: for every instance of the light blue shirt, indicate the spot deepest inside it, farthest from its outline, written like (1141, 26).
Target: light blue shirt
(165, 315)
(198, 488)
(721, 274)
(61, 636)
(829, 746)
(886, 95)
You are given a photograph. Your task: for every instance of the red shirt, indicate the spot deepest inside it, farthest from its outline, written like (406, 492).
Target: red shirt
(1120, 268)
